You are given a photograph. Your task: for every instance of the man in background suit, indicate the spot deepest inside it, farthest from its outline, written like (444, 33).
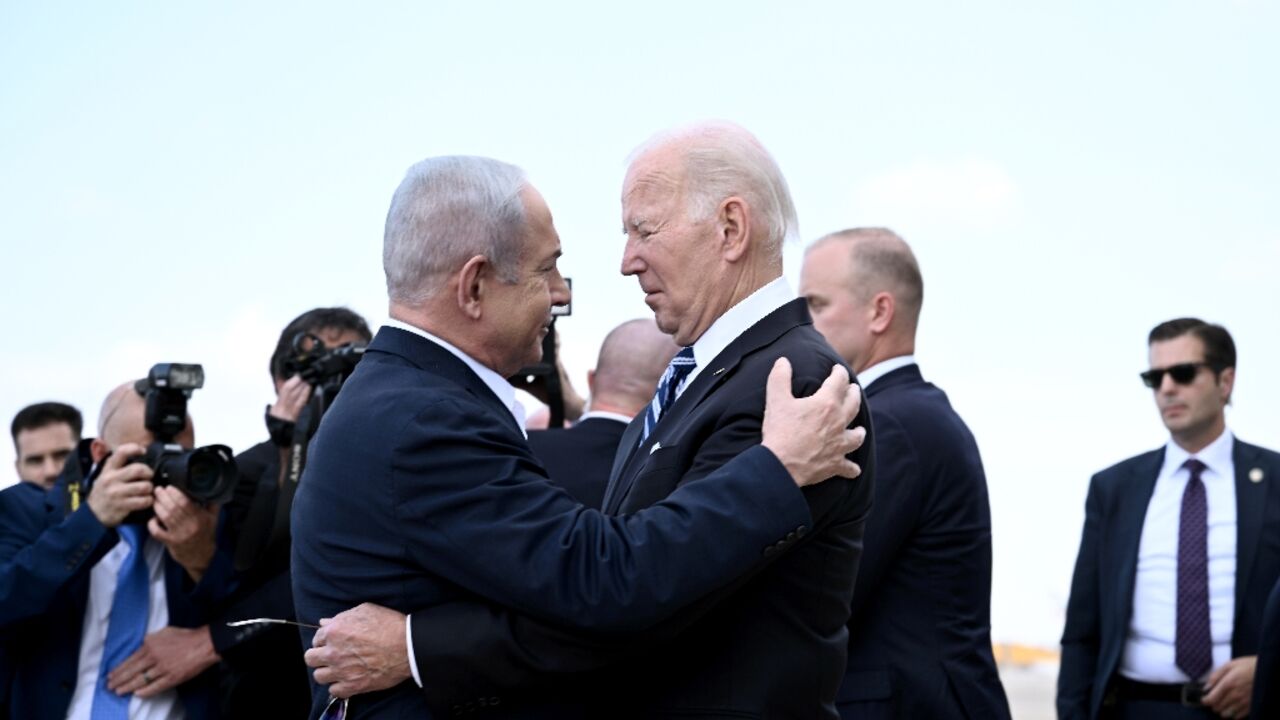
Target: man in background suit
(421, 490)
(1178, 554)
(1266, 681)
(578, 458)
(920, 630)
(65, 558)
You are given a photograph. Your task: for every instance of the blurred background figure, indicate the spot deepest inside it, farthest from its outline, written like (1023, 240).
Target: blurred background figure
(632, 358)
(1181, 547)
(44, 436)
(103, 610)
(262, 670)
(920, 629)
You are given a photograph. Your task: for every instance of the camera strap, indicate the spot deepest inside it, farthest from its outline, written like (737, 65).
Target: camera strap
(303, 430)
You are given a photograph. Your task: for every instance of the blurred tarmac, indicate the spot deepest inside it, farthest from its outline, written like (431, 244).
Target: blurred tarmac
(1030, 688)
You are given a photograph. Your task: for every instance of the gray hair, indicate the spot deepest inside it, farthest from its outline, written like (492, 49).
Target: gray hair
(723, 160)
(447, 210)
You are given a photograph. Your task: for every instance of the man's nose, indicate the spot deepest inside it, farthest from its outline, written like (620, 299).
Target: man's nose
(631, 263)
(560, 292)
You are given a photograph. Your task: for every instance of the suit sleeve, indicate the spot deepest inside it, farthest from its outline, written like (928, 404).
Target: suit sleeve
(1080, 637)
(471, 650)
(36, 563)
(521, 541)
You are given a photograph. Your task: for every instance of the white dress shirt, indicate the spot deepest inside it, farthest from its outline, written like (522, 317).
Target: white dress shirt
(500, 387)
(93, 638)
(735, 321)
(1149, 648)
(884, 367)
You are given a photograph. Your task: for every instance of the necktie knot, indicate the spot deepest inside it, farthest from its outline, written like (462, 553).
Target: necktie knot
(668, 386)
(1195, 467)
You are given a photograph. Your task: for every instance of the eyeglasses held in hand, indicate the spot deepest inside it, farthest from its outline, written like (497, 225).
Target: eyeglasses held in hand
(335, 710)
(278, 621)
(1182, 373)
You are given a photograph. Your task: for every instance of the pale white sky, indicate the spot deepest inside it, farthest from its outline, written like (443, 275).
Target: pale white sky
(177, 182)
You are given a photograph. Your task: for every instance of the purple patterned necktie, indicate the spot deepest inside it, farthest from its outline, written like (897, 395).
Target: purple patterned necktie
(1193, 644)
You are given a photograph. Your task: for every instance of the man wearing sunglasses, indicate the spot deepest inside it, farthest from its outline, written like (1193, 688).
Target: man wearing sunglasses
(1181, 547)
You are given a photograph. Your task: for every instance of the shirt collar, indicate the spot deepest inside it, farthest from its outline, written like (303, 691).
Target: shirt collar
(604, 415)
(491, 379)
(737, 320)
(884, 367)
(1216, 456)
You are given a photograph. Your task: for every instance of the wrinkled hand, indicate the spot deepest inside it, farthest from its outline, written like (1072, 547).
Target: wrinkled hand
(168, 657)
(121, 487)
(1230, 687)
(186, 528)
(293, 396)
(810, 435)
(360, 650)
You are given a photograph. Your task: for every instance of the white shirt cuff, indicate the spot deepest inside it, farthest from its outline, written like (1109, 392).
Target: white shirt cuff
(408, 641)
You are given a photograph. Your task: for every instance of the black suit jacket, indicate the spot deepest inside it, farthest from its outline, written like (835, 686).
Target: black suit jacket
(47, 553)
(579, 458)
(1101, 601)
(920, 632)
(420, 490)
(769, 646)
(1266, 679)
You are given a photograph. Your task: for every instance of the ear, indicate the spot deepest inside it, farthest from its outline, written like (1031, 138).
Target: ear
(98, 450)
(883, 308)
(734, 227)
(1227, 383)
(472, 279)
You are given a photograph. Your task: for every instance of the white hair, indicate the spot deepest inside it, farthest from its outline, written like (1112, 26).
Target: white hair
(721, 160)
(447, 210)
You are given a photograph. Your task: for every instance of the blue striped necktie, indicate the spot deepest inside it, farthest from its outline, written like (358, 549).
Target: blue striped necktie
(677, 371)
(127, 625)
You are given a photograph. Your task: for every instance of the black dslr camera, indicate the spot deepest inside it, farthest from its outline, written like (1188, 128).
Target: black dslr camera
(325, 368)
(207, 474)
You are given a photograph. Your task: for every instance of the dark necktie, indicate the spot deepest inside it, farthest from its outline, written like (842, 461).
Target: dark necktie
(677, 370)
(1193, 644)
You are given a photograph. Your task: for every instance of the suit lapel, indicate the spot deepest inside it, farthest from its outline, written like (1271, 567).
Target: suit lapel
(721, 367)
(626, 448)
(1131, 513)
(1250, 502)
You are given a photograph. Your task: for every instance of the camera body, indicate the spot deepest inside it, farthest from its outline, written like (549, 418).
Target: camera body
(206, 474)
(322, 366)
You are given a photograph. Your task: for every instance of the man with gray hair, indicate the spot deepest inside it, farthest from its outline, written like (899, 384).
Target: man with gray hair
(920, 630)
(421, 490)
(632, 358)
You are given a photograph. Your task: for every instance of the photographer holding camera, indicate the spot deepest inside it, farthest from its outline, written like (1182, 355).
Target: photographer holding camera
(109, 577)
(263, 672)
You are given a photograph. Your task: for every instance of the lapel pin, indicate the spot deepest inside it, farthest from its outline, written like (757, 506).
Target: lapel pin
(717, 372)
(656, 446)
(1256, 475)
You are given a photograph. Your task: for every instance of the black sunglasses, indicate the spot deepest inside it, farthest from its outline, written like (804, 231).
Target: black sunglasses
(1182, 373)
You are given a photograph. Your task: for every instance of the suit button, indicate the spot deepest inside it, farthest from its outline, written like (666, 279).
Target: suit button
(791, 536)
(800, 531)
(493, 701)
(769, 551)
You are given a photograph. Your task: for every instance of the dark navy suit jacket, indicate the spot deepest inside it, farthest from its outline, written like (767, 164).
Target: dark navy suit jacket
(1266, 680)
(920, 632)
(46, 555)
(1101, 602)
(579, 458)
(771, 645)
(420, 490)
